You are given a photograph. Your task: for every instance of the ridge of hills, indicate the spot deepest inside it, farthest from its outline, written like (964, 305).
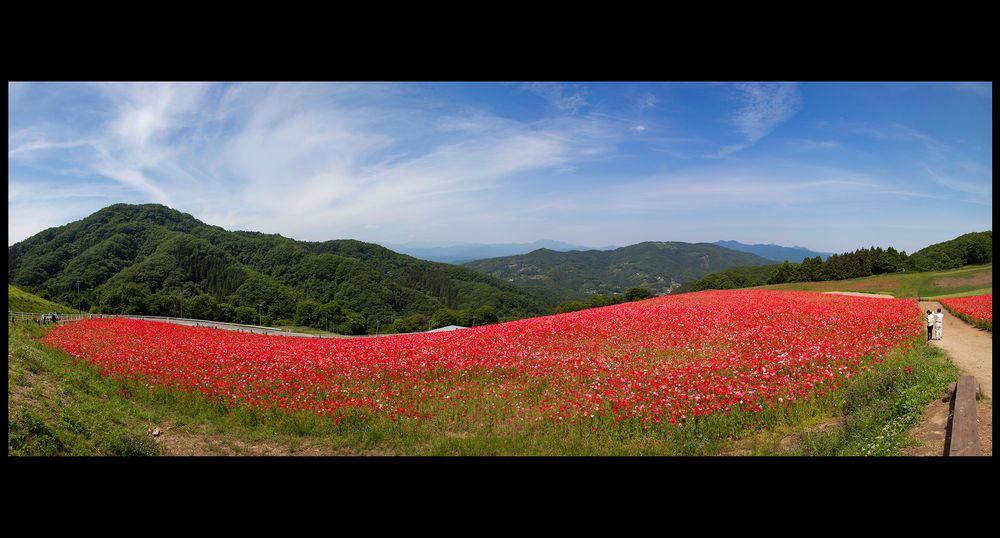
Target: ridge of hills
(773, 252)
(659, 266)
(467, 252)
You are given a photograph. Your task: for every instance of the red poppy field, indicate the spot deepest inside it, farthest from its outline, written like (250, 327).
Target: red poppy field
(977, 309)
(650, 363)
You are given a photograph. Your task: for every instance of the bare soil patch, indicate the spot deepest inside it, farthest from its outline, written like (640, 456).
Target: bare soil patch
(880, 284)
(175, 442)
(951, 282)
(932, 431)
(858, 294)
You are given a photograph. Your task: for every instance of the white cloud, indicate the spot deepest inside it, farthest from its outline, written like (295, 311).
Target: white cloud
(764, 106)
(982, 89)
(559, 96)
(646, 101)
(297, 161)
(814, 144)
(902, 133)
(25, 143)
(980, 189)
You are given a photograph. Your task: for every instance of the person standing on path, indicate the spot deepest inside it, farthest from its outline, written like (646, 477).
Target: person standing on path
(930, 325)
(938, 324)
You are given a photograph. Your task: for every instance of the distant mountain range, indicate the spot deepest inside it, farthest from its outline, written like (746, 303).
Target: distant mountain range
(775, 252)
(460, 253)
(467, 252)
(657, 266)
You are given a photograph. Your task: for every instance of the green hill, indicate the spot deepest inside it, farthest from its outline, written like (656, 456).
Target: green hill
(19, 300)
(156, 260)
(969, 249)
(657, 266)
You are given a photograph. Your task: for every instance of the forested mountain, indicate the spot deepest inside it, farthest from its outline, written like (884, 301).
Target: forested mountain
(657, 266)
(774, 252)
(153, 259)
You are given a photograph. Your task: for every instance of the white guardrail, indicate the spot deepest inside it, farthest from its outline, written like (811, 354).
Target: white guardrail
(43, 318)
(40, 317)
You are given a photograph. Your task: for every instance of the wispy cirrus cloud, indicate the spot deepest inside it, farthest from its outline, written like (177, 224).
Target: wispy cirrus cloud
(561, 96)
(28, 143)
(982, 89)
(314, 161)
(981, 189)
(900, 133)
(591, 164)
(763, 107)
(645, 101)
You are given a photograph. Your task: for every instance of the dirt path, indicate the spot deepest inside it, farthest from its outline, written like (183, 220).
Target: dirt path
(971, 349)
(859, 294)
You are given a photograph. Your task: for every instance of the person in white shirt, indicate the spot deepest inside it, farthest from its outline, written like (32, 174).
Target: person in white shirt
(938, 323)
(930, 325)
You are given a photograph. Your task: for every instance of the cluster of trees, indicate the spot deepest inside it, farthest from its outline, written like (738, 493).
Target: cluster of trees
(193, 303)
(470, 317)
(731, 279)
(633, 294)
(860, 263)
(329, 316)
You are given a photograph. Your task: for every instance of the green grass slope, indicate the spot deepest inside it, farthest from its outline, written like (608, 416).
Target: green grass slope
(19, 300)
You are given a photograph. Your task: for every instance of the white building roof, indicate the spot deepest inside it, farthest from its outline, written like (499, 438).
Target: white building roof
(447, 328)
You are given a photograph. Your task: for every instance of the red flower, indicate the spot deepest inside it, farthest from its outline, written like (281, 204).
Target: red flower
(649, 362)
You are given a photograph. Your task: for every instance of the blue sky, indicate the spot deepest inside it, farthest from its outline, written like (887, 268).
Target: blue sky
(829, 166)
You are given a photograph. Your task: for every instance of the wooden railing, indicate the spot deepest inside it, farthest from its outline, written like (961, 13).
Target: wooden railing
(964, 425)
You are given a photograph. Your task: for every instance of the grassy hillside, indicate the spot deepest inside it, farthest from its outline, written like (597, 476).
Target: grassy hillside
(970, 280)
(657, 266)
(19, 300)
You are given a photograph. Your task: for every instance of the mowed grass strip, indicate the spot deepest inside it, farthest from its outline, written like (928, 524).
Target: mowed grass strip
(19, 300)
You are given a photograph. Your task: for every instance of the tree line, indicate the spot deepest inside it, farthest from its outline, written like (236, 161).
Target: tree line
(597, 301)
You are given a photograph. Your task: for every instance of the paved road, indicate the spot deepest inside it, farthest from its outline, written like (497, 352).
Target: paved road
(246, 329)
